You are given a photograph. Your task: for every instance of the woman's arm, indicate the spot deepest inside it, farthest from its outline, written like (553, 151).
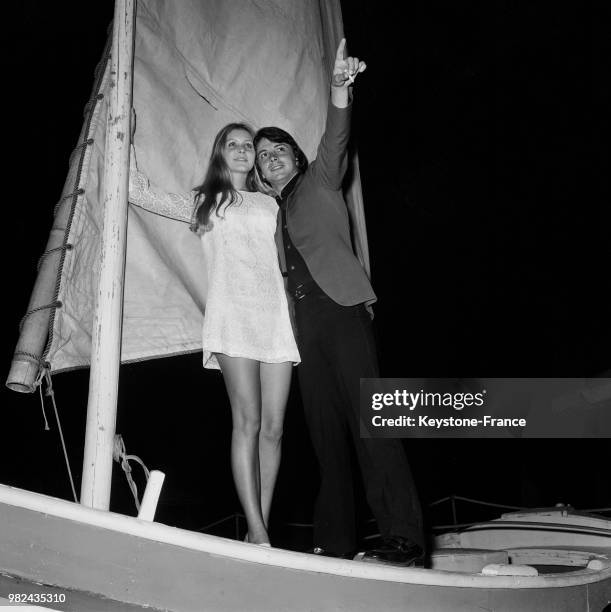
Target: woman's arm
(153, 199)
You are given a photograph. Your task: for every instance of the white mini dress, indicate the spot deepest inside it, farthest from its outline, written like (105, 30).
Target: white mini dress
(246, 312)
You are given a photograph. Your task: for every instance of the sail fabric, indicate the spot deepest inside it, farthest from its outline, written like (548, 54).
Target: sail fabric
(198, 66)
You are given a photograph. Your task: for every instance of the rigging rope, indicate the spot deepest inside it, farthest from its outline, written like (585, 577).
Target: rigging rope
(64, 247)
(119, 452)
(238, 515)
(38, 383)
(119, 455)
(56, 304)
(45, 374)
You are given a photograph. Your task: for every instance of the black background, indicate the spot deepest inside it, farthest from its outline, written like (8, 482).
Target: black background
(483, 136)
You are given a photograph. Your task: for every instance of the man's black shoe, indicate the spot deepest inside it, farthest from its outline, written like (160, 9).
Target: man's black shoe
(396, 550)
(321, 552)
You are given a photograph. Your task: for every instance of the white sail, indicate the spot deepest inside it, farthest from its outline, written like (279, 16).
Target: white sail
(198, 66)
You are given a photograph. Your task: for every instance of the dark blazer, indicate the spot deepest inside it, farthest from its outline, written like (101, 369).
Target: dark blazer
(318, 222)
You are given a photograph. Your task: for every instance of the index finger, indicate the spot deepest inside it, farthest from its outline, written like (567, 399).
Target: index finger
(340, 49)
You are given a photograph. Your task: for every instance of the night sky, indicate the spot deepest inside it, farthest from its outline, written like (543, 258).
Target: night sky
(483, 136)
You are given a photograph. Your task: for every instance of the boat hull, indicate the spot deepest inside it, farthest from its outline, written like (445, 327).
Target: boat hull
(81, 551)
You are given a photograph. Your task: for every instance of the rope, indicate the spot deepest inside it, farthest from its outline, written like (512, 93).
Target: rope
(440, 501)
(455, 526)
(100, 72)
(65, 247)
(56, 304)
(119, 455)
(73, 194)
(75, 153)
(76, 192)
(91, 102)
(435, 503)
(36, 358)
(483, 503)
(80, 145)
(45, 374)
(223, 520)
(38, 383)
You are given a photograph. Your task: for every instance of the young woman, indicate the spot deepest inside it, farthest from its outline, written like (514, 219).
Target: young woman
(247, 331)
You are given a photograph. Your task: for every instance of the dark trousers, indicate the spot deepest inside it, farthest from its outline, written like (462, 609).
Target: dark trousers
(337, 348)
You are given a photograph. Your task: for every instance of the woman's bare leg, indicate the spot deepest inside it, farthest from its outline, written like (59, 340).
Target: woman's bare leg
(275, 385)
(242, 380)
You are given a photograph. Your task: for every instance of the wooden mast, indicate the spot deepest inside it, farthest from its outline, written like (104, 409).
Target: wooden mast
(106, 333)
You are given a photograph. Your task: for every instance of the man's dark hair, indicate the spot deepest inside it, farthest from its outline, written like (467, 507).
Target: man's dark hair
(274, 134)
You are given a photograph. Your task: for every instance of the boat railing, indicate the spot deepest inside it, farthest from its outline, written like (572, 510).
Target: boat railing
(235, 523)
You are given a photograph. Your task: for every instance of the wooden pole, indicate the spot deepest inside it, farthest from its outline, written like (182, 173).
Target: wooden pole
(106, 334)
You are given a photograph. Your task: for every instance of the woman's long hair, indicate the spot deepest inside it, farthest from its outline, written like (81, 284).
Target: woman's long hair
(217, 189)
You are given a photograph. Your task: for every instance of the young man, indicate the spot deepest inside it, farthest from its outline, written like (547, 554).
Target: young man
(330, 290)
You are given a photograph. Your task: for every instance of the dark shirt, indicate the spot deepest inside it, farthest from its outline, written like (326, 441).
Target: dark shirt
(296, 269)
